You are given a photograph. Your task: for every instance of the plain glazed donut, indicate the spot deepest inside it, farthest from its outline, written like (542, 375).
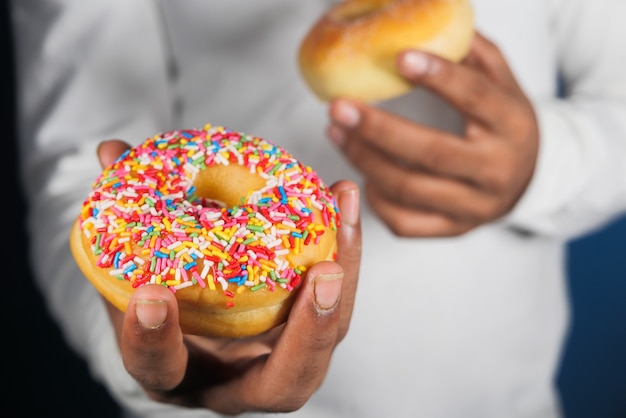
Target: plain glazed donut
(351, 50)
(227, 221)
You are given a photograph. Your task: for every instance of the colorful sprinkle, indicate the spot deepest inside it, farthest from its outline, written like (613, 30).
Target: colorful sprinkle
(147, 224)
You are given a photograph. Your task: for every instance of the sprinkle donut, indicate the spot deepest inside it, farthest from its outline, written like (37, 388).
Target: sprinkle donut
(227, 221)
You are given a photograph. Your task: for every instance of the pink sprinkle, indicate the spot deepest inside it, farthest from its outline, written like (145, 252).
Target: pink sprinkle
(198, 278)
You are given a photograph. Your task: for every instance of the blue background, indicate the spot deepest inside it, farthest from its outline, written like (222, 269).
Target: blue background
(592, 377)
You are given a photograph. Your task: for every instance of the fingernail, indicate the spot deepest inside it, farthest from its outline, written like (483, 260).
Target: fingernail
(327, 290)
(415, 63)
(346, 114)
(151, 314)
(336, 135)
(349, 206)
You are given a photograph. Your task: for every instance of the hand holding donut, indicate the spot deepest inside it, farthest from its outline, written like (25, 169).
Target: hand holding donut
(426, 182)
(227, 221)
(351, 50)
(274, 371)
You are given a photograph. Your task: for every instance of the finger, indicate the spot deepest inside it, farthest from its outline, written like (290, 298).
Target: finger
(349, 248)
(310, 334)
(413, 223)
(401, 141)
(423, 191)
(109, 151)
(299, 361)
(468, 90)
(317, 321)
(151, 340)
(488, 58)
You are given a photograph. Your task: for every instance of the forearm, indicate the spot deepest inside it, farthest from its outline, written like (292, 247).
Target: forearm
(580, 179)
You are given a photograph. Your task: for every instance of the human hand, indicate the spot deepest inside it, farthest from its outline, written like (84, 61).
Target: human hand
(426, 182)
(275, 372)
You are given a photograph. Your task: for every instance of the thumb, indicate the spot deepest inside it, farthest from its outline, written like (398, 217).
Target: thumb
(108, 151)
(152, 341)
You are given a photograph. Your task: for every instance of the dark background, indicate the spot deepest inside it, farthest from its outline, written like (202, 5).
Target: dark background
(41, 377)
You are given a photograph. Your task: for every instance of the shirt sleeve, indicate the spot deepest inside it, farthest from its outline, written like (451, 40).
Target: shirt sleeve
(580, 179)
(87, 71)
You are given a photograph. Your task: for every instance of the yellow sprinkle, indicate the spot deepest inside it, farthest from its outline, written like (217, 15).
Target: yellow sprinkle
(190, 244)
(109, 184)
(298, 242)
(289, 228)
(220, 254)
(267, 264)
(167, 223)
(83, 213)
(241, 289)
(113, 243)
(286, 242)
(186, 257)
(172, 282)
(157, 279)
(209, 279)
(128, 248)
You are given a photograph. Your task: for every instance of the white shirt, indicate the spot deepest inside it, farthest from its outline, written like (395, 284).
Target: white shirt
(463, 327)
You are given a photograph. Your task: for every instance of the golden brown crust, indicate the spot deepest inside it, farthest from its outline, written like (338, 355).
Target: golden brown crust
(205, 311)
(351, 50)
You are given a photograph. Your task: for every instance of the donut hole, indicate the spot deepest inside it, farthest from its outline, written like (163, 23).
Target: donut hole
(355, 10)
(226, 186)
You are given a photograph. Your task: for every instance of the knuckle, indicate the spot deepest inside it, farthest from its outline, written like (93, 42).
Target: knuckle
(477, 91)
(407, 191)
(399, 227)
(485, 211)
(288, 404)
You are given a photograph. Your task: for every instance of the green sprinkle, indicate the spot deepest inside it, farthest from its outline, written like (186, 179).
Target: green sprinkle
(255, 228)
(257, 287)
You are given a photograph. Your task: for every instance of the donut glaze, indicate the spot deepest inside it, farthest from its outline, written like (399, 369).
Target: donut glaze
(228, 222)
